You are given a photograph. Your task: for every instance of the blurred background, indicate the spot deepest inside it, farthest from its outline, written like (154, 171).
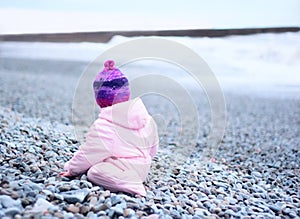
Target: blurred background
(30, 16)
(253, 47)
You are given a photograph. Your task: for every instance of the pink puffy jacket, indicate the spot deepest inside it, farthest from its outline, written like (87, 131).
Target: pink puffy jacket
(119, 148)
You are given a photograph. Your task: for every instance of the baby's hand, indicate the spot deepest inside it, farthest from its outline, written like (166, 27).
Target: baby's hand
(65, 174)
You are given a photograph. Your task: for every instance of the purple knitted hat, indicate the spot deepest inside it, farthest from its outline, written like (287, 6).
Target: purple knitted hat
(111, 86)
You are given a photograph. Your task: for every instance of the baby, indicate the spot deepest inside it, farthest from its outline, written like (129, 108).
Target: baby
(121, 143)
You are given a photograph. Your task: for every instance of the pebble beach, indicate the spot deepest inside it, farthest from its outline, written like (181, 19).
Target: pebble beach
(254, 173)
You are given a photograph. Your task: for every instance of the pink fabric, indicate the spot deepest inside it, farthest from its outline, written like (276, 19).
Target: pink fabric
(109, 65)
(119, 148)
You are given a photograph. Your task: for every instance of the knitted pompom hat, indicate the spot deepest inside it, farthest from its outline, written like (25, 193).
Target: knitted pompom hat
(111, 86)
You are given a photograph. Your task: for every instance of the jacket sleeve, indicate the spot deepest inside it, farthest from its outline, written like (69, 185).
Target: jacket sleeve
(92, 152)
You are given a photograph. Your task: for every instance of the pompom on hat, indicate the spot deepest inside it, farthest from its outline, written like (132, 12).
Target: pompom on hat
(111, 86)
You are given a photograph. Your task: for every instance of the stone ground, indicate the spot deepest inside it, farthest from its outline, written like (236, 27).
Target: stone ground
(253, 174)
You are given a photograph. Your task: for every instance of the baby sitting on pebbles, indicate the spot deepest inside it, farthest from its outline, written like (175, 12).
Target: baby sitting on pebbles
(121, 143)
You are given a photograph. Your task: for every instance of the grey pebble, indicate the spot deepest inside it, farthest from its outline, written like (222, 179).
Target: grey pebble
(175, 214)
(75, 196)
(275, 208)
(51, 188)
(256, 174)
(47, 192)
(12, 211)
(115, 199)
(220, 184)
(118, 209)
(230, 212)
(202, 212)
(231, 201)
(59, 196)
(8, 202)
(68, 215)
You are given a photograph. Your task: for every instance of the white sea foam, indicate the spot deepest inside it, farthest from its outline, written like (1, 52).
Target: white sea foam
(254, 62)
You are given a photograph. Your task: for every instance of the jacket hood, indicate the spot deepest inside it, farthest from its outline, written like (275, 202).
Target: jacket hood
(130, 114)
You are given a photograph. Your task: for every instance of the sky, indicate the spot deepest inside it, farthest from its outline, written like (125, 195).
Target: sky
(48, 16)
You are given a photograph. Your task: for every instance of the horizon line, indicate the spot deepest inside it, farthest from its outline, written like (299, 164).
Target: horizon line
(105, 36)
